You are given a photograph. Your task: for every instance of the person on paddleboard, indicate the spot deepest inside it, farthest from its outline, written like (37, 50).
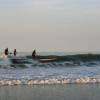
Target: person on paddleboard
(6, 52)
(15, 52)
(34, 54)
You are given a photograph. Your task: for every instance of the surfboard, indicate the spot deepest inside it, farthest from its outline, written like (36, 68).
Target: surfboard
(18, 60)
(47, 60)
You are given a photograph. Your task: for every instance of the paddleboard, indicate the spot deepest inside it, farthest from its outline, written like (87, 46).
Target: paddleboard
(47, 60)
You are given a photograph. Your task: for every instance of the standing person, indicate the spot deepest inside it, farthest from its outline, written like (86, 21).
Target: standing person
(15, 52)
(6, 52)
(34, 54)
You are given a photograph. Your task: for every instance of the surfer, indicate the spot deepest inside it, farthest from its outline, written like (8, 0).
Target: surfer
(15, 52)
(34, 54)
(6, 52)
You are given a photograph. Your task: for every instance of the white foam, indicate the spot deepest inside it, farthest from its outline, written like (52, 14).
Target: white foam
(50, 81)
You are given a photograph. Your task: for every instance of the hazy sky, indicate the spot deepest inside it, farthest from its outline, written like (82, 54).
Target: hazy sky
(50, 25)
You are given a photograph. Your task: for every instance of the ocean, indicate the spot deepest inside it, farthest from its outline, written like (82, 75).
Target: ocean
(68, 68)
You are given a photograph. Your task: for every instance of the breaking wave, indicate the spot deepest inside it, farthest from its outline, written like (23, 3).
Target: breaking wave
(81, 68)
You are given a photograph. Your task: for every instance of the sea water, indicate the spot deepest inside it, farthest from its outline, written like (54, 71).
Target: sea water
(35, 72)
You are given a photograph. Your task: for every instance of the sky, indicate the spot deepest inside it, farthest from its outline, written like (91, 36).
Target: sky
(50, 25)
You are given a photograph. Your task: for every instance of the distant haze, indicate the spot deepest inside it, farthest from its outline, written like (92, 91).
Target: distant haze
(50, 25)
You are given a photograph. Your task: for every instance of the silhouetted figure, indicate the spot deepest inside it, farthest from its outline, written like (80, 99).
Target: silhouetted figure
(15, 52)
(34, 54)
(6, 52)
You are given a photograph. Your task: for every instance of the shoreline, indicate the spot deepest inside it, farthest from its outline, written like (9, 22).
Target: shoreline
(50, 81)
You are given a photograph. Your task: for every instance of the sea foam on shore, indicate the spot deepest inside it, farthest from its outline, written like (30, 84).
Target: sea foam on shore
(50, 81)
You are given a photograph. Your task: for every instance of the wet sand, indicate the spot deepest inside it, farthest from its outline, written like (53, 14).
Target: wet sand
(51, 92)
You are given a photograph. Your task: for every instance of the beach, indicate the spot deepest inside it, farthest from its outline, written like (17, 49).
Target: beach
(49, 50)
(51, 92)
